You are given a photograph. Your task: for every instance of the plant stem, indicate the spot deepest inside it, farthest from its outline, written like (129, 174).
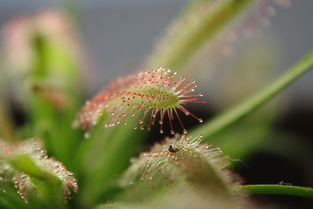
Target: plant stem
(231, 117)
(279, 190)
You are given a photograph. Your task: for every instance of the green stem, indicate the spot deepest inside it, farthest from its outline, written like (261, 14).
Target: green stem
(231, 117)
(279, 190)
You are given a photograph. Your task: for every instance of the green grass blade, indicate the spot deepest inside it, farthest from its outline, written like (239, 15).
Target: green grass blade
(231, 117)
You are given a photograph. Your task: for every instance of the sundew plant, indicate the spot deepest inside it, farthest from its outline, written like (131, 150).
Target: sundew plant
(78, 151)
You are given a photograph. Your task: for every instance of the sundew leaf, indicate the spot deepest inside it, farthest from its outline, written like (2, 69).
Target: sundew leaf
(26, 164)
(183, 160)
(215, 25)
(200, 23)
(179, 165)
(209, 23)
(148, 96)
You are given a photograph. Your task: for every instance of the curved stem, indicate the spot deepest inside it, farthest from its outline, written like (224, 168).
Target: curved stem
(279, 190)
(252, 104)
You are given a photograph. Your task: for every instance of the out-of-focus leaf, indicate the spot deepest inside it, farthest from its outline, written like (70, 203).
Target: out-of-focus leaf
(198, 25)
(44, 55)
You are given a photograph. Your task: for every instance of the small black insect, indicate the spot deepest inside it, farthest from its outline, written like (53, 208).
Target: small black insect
(172, 149)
